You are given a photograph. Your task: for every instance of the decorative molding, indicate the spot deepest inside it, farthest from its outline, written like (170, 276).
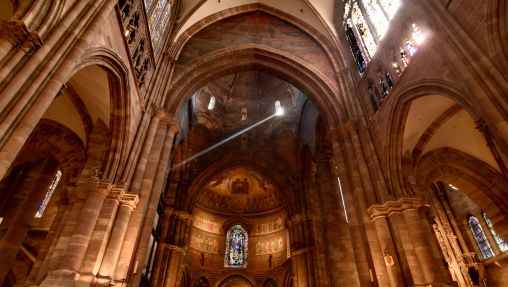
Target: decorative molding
(396, 206)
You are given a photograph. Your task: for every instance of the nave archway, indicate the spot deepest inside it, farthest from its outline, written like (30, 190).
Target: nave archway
(71, 143)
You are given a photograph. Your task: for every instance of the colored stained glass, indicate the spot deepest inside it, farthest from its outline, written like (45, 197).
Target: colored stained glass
(236, 247)
(158, 21)
(501, 243)
(49, 194)
(480, 237)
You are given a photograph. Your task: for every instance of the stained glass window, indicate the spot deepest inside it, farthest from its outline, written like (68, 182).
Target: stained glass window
(158, 18)
(501, 243)
(236, 247)
(366, 23)
(390, 7)
(377, 16)
(49, 193)
(480, 238)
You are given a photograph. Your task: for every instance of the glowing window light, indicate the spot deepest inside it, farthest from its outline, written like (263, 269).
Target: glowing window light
(377, 17)
(453, 187)
(480, 237)
(343, 200)
(49, 193)
(1, 220)
(501, 243)
(211, 104)
(417, 35)
(390, 7)
(363, 30)
(237, 240)
(279, 110)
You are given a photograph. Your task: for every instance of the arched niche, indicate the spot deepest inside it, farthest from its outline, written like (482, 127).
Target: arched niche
(235, 281)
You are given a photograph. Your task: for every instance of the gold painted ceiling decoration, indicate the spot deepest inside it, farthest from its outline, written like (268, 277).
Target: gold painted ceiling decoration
(239, 190)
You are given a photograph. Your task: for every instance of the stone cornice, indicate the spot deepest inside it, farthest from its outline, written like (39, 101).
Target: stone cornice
(396, 206)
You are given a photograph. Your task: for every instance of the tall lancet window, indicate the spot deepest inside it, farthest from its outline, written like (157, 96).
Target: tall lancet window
(480, 237)
(366, 22)
(51, 189)
(158, 12)
(237, 241)
(501, 243)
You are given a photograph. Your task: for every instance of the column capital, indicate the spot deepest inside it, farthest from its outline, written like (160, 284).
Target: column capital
(129, 199)
(395, 206)
(119, 192)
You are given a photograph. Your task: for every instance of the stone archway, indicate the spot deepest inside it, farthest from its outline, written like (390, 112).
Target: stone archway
(235, 281)
(276, 62)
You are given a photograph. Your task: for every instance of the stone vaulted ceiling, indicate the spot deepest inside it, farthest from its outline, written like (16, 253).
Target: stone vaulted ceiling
(319, 14)
(244, 98)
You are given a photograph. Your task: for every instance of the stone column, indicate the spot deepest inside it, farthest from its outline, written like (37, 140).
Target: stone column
(158, 184)
(301, 247)
(36, 184)
(388, 251)
(416, 239)
(172, 249)
(127, 204)
(93, 193)
(152, 166)
(355, 163)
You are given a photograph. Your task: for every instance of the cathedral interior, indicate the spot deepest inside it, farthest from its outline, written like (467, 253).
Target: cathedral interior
(253, 143)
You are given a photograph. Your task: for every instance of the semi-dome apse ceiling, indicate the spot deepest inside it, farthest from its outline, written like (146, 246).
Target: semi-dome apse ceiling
(239, 190)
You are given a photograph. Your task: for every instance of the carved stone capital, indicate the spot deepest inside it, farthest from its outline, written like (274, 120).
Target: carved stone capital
(395, 206)
(129, 200)
(124, 198)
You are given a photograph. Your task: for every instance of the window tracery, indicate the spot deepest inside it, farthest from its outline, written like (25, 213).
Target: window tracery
(500, 242)
(480, 237)
(236, 247)
(158, 18)
(47, 197)
(366, 22)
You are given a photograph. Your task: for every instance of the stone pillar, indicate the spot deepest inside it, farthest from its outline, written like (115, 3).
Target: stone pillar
(127, 203)
(355, 163)
(172, 249)
(153, 166)
(100, 237)
(416, 239)
(93, 193)
(388, 251)
(36, 184)
(301, 247)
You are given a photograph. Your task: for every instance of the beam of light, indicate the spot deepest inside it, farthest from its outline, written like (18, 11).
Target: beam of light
(342, 198)
(233, 136)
